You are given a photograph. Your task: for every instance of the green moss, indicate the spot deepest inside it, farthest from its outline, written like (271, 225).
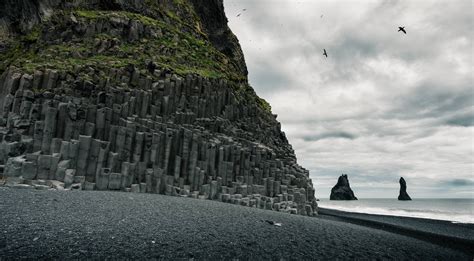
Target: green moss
(94, 15)
(32, 36)
(188, 50)
(180, 2)
(9, 56)
(19, 48)
(264, 104)
(89, 14)
(191, 54)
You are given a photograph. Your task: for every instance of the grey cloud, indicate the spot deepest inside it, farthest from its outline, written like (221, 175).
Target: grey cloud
(267, 78)
(434, 100)
(460, 183)
(329, 135)
(464, 119)
(383, 104)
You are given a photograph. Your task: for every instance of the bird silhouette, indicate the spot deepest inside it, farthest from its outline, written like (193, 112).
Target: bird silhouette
(243, 10)
(325, 53)
(402, 29)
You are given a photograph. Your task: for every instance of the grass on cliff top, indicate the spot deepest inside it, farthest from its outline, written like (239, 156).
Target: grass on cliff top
(176, 50)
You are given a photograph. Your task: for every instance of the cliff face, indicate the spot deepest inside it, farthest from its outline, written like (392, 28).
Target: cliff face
(212, 16)
(23, 22)
(145, 96)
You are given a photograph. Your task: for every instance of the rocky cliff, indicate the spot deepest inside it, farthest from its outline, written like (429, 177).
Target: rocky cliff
(403, 190)
(342, 190)
(143, 96)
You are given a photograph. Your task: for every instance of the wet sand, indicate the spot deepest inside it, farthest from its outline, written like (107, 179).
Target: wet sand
(444, 233)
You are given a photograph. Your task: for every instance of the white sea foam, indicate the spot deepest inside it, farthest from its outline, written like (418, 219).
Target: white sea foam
(454, 210)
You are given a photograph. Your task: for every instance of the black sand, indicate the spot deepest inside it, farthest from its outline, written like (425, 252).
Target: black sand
(115, 225)
(445, 233)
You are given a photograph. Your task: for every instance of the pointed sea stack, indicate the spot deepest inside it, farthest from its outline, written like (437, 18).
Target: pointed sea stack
(342, 190)
(403, 190)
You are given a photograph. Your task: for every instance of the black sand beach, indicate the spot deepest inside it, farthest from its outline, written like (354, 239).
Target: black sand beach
(115, 225)
(444, 233)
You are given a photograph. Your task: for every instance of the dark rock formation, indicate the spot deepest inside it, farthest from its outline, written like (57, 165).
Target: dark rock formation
(140, 96)
(403, 190)
(215, 24)
(342, 190)
(19, 17)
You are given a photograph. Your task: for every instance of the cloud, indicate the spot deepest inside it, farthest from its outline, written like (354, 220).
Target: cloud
(461, 183)
(383, 104)
(268, 77)
(341, 134)
(434, 100)
(464, 118)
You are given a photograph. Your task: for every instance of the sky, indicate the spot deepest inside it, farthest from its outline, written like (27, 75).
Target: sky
(383, 104)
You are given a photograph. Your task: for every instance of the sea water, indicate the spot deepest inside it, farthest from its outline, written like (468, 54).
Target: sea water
(454, 210)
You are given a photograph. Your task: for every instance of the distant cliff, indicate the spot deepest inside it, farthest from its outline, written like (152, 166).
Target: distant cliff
(143, 96)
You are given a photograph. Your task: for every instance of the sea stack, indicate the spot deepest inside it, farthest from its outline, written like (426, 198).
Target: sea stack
(403, 190)
(342, 190)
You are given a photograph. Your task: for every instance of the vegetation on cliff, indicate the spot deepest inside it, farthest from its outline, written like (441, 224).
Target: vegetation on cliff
(166, 35)
(166, 45)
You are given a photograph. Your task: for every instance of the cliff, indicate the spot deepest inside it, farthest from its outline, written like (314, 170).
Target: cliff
(144, 96)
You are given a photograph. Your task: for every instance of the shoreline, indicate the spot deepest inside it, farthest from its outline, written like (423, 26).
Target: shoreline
(119, 225)
(402, 210)
(458, 236)
(428, 219)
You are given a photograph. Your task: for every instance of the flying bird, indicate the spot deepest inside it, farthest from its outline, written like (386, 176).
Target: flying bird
(243, 10)
(402, 29)
(325, 53)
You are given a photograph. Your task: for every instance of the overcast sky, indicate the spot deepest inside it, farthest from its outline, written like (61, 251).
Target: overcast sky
(383, 104)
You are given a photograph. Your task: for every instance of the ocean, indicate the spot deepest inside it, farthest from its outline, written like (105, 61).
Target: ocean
(454, 210)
